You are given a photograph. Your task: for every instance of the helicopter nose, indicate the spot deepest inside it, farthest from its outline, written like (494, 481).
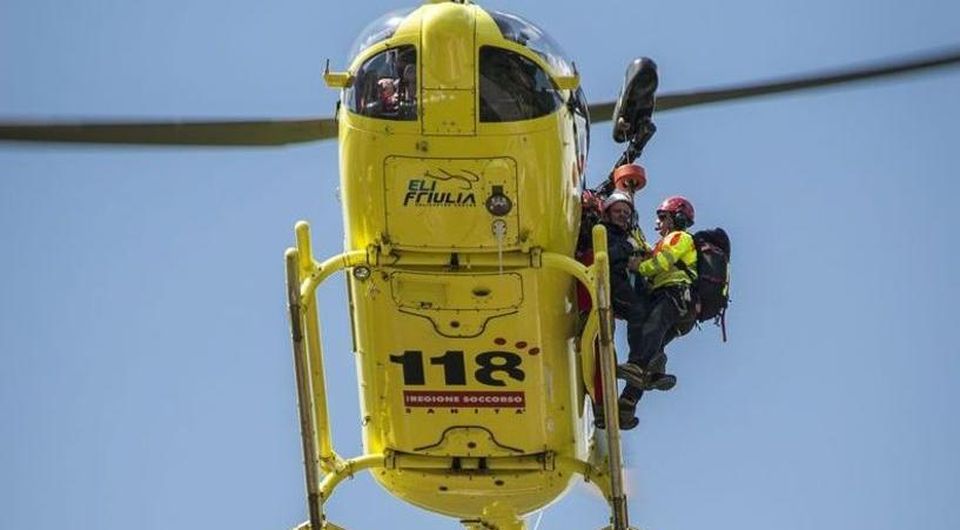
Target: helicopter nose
(449, 66)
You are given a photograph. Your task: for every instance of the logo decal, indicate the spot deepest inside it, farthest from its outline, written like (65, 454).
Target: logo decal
(442, 189)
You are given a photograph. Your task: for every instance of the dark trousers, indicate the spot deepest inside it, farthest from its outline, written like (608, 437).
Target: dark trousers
(632, 306)
(652, 323)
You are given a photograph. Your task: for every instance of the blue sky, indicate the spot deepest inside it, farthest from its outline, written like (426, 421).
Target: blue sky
(146, 372)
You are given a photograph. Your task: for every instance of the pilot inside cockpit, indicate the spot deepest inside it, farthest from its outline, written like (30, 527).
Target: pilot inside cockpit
(387, 96)
(386, 86)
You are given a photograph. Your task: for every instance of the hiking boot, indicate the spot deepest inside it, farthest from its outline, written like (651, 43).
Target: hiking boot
(658, 363)
(630, 423)
(661, 382)
(632, 374)
(627, 420)
(627, 414)
(599, 420)
(640, 378)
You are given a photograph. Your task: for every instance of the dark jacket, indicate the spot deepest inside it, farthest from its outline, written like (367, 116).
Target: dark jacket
(619, 250)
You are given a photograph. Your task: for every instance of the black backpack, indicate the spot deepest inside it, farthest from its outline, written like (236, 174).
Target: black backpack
(711, 288)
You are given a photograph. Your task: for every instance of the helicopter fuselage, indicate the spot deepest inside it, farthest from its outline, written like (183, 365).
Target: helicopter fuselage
(464, 350)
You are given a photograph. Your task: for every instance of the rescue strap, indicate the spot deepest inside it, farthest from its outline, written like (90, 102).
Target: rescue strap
(723, 323)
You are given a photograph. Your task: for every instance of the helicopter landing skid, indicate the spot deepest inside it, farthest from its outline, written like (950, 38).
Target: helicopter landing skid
(617, 496)
(325, 469)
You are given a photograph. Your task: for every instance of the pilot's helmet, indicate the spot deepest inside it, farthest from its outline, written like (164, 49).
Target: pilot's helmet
(387, 86)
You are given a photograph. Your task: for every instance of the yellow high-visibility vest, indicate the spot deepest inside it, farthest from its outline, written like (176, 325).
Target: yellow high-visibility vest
(661, 269)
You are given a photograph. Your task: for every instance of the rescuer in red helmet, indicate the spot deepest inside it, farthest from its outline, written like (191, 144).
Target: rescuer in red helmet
(667, 269)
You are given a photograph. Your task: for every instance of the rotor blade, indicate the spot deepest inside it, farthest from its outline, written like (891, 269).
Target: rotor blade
(220, 133)
(677, 100)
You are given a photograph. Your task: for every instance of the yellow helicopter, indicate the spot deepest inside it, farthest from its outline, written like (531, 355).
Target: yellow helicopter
(463, 138)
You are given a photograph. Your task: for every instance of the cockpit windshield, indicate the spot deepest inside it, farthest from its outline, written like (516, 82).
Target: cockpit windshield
(514, 88)
(379, 30)
(523, 32)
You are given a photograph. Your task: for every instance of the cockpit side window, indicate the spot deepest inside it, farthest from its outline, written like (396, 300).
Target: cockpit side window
(513, 88)
(385, 86)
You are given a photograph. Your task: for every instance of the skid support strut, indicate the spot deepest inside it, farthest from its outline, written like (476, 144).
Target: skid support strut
(305, 402)
(618, 497)
(322, 465)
